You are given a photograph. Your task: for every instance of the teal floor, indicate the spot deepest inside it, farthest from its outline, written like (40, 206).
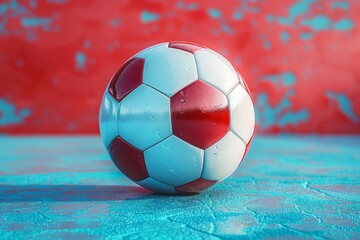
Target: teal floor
(289, 187)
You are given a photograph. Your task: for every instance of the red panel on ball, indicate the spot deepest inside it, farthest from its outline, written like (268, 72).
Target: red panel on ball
(195, 186)
(127, 78)
(128, 159)
(200, 114)
(186, 46)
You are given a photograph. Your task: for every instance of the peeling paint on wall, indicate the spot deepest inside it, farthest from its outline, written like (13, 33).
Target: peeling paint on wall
(298, 57)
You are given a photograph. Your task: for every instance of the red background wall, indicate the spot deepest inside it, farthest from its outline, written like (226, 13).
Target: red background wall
(300, 58)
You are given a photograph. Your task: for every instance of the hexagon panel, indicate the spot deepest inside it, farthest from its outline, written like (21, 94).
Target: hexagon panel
(147, 52)
(215, 70)
(222, 158)
(200, 114)
(169, 70)
(244, 84)
(247, 147)
(242, 115)
(174, 161)
(108, 119)
(156, 186)
(222, 58)
(144, 117)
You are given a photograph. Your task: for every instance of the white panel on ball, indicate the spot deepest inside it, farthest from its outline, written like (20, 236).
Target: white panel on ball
(169, 70)
(156, 186)
(107, 119)
(222, 158)
(222, 58)
(174, 161)
(215, 70)
(242, 115)
(144, 117)
(241, 80)
(147, 52)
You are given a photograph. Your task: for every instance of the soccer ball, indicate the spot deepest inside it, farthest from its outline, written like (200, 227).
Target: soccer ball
(176, 118)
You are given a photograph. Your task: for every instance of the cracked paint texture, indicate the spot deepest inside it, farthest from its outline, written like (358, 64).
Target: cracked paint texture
(300, 57)
(287, 187)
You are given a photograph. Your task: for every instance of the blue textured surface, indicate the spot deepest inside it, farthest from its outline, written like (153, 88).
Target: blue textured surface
(66, 187)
